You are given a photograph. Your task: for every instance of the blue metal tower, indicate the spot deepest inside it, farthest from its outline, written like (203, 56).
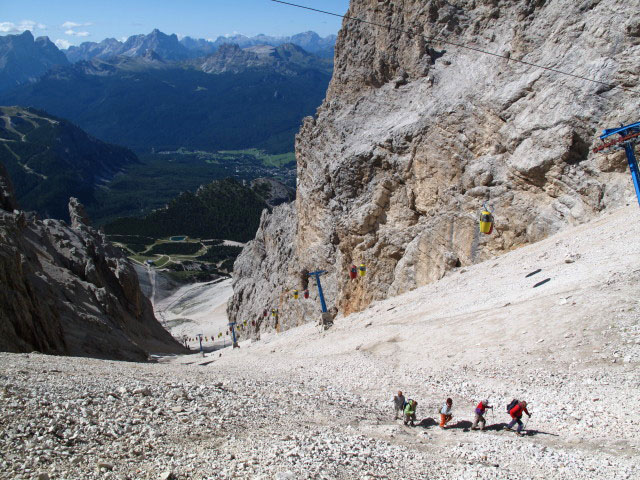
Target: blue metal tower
(629, 136)
(316, 275)
(233, 334)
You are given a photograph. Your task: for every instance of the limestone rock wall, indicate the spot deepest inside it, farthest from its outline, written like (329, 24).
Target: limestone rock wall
(265, 275)
(68, 291)
(415, 135)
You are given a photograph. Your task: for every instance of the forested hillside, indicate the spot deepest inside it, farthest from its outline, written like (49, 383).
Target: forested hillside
(50, 160)
(222, 209)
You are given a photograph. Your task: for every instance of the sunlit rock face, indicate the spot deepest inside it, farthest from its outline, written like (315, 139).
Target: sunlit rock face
(415, 136)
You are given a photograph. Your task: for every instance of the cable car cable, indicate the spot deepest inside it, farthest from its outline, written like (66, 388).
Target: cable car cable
(461, 45)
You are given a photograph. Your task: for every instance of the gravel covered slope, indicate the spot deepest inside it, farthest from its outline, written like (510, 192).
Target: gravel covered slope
(305, 404)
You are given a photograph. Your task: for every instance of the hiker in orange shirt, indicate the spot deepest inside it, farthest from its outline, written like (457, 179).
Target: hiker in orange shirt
(445, 413)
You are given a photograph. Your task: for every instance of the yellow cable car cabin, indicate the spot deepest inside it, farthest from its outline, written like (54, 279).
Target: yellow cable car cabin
(362, 269)
(486, 222)
(295, 294)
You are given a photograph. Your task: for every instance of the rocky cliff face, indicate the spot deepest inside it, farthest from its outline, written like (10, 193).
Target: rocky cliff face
(267, 272)
(414, 136)
(67, 291)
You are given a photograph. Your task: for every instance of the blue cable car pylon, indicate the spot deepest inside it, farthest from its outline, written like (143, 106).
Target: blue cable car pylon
(629, 136)
(233, 334)
(316, 275)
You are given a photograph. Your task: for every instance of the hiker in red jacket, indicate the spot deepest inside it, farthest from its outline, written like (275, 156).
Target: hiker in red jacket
(516, 415)
(479, 418)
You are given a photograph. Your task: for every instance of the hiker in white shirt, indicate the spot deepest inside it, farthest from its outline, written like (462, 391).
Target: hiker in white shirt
(445, 413)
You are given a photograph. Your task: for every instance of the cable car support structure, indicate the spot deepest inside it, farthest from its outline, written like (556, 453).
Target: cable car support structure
(629, 135)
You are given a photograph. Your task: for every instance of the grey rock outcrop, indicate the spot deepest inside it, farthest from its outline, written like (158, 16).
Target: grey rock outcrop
(78, 214)
(414, 136)
(68, 291)
(7, 195)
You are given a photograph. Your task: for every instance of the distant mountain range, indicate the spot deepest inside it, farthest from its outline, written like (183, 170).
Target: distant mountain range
(287, 59)
(233, 99)
(156, 92)
(50, 159)
(169, 47)
(24, 59)
(152, 93)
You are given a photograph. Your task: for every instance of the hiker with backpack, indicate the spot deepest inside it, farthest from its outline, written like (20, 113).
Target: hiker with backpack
(479, 418)
(410, 412)
(445, 413)
(516, 409)
(399, 402)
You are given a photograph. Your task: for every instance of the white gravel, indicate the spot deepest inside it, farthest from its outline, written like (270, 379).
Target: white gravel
(196, 308)
(306, 404)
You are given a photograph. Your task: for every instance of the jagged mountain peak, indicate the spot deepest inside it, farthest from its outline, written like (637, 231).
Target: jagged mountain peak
(286, 58)
(194, 47)
(23, 59)
(24, 36)
(166, 46)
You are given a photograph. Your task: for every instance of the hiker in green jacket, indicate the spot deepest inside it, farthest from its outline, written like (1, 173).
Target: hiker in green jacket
(410, 412)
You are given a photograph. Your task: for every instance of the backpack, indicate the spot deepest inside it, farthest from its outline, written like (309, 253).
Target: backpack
(513, 403)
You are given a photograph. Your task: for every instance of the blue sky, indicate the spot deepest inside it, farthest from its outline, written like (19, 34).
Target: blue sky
(75, 21)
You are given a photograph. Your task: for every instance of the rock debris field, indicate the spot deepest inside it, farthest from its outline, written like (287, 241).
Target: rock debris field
(312, 404)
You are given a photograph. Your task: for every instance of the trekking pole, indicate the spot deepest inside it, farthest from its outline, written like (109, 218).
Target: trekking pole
(526, 423)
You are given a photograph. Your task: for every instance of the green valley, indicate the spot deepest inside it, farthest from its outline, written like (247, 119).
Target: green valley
(188, 259)
(196, 234)
(160, 177)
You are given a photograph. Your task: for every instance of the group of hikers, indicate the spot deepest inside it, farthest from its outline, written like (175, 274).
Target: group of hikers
(407, 410)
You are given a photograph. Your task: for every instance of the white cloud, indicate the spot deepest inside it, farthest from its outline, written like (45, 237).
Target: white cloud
(73, 33)
(62, 44)
(10, 27)
(68, 24)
